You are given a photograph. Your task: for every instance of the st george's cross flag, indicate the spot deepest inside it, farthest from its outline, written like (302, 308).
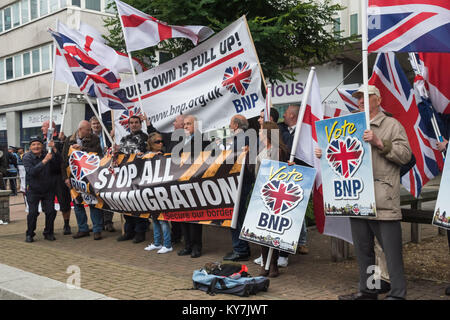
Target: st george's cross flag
(142, 30)
(408, 25)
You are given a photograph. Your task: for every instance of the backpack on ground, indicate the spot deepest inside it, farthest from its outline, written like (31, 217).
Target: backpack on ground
(228, 278)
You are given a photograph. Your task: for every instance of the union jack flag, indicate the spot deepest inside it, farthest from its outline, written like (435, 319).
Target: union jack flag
(237, 79)
(127, 114)
(399, 100)
(83, 164)
(280, 197)
(345, 156)
(409, 25)
(91, 77)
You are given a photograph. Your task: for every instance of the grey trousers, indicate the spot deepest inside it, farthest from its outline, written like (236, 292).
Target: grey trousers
(389, 235)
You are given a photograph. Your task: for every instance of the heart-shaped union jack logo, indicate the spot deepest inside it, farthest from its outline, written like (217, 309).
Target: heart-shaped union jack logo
(83, 164)
(280, 197)
(345, 156)
(237, 79)
(126, 115)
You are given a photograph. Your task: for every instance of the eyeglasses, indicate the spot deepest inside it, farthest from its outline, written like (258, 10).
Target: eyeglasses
(158, 141)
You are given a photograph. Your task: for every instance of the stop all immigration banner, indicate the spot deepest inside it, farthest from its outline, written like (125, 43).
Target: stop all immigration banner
(278, 204)
(216, 80)
(346, 165)
(153, 185)
(441, 216)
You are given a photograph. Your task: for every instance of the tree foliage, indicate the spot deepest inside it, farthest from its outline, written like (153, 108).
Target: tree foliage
(287, 33)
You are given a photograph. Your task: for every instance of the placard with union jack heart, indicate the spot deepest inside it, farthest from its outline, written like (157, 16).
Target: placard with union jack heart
(346, 167)
(278, 205)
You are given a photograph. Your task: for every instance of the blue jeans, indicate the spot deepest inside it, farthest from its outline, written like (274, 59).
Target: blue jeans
(96, 217)
(303, 233)
(157, 226)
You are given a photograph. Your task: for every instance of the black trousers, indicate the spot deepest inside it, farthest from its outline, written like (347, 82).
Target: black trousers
(176, 231)
(135, 225)
(47, 203)
(192, 234)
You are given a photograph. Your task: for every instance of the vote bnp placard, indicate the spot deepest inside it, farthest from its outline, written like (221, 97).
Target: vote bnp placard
(441, 216)
(346, 165)
(278, 204)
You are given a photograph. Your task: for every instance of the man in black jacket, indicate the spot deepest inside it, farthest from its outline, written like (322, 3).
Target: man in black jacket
(41, 170)
(135, 142)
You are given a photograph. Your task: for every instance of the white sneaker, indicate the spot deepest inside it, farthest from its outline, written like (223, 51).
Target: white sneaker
(282, 262)
(164, 250)
(152, 247)
(258, 260)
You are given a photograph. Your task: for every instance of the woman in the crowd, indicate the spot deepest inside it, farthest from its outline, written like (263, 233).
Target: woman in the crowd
(274, 149)
(161, 241)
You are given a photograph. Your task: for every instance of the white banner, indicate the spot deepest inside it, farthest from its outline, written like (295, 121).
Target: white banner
(214, 81)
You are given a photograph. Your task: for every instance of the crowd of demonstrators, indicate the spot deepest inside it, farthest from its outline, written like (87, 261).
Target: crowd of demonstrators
(62, 191)
(161, 229)
(13, 170)
(135, 142)
(3, 166)
(83, 140)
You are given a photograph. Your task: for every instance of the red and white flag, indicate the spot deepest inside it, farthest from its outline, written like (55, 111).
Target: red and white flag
(142, 30)
(338, 227)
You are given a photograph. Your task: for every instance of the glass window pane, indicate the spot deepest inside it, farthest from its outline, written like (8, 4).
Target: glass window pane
(43, 9)
(18, 66)
(45, 56)
(354, 24)
(53, 5)
(36, 61)
(2, 70)
(76, 3)
(34, 9)
(62, 3)
(16, 14)
(9, 68)
(25, 13)
(26, 64)
(1, 20)
(93, 5)
(7, 14)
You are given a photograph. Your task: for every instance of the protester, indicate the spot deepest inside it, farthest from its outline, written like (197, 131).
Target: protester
(3, 166)
(135, 142)
(108, 224)
(241, 248)
(390, 150)
(83, 140)
(61, 190)
(12, 170)
(41, 171)
(274, 116)
(192, 232)
(162, 242)
(273, 150)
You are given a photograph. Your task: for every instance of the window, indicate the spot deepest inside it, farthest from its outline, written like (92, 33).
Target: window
(25, 14)
(45, 56)
(93, 5)
(34, 9)
(1, 21)
(18, 66)
(36, 60)
(76, 3)
(9, 68)
(337, 27)
(26, 64)
(53, 5)
(2, 70)
(7, 16)
(354, 24)
(43, 7)
(16, 14)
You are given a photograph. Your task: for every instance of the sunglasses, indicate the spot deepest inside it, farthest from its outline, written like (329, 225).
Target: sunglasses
(158, 141)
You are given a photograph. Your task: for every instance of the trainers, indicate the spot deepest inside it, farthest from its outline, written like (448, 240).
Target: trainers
(282, 262)
(258, 260)
(152, 247)
(164, 250)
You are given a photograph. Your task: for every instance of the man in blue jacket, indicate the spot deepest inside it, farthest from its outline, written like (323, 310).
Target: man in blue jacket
(41, 170)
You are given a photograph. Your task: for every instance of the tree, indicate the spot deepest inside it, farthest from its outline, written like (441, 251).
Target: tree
(287, 33)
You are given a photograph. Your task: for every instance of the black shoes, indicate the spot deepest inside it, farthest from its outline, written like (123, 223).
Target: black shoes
(29, 239)
(393, 298)
(140, 237)
(359, 296)
(447, 291)
(233, 256)
(49, 237)
(109, 227)
(97, 236)
(125, 237)
(184, 252)
(385, 287)
(67, 230)
(196, 253)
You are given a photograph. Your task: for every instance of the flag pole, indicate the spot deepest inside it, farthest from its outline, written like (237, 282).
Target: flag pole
(302, 113)
(365, 61)
(52, 92)
(64, 108)
(268, 103)
(238, 196)
(98, 117)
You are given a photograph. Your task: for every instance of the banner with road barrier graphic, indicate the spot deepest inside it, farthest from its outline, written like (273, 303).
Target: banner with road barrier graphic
(203, 191)
(217, 79)
(346, 165)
